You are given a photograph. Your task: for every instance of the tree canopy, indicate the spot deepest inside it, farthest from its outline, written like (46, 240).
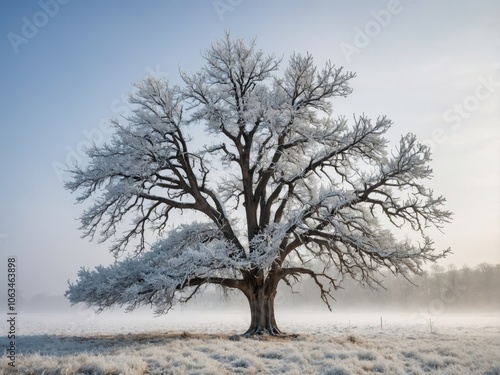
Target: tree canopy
(281, 184)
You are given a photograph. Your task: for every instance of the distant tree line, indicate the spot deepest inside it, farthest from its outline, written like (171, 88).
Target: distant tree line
(439, 288)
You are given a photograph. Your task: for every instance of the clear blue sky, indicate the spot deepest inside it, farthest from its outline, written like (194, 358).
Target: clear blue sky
(432, 68)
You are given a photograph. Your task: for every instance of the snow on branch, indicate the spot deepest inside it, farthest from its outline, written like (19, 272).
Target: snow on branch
(191, 255)
(146, 170)
(305, 186)
(401, 174)
(305, 86)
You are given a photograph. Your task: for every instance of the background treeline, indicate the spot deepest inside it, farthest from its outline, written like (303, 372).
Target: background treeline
(437, 290)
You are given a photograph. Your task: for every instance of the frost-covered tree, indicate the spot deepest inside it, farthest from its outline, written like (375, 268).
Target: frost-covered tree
(281, 187)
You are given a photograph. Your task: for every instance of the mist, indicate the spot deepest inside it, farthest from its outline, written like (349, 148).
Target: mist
(425, 324)
(437, 291)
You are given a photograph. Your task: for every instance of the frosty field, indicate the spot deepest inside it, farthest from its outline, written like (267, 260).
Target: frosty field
(207, 343)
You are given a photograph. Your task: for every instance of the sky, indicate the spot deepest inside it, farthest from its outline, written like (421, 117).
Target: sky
(67, 66)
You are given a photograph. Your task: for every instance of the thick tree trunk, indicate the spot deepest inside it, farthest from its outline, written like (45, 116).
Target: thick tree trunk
(261, 301)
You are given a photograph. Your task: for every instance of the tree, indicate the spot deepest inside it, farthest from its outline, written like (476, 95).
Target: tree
(282, 186)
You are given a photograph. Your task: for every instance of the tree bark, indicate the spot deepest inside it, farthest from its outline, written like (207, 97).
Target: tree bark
(261, 301)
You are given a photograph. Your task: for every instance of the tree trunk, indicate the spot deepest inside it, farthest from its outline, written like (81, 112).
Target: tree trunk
(261, 301)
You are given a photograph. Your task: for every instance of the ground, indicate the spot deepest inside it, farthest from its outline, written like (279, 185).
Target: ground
(207, 343)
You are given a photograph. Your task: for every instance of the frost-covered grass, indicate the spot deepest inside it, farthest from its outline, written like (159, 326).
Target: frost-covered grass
(206, 343)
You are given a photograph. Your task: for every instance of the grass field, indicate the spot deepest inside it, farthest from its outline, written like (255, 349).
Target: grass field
(207, 343)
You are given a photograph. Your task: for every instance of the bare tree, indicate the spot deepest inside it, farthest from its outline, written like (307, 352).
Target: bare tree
(286, 186)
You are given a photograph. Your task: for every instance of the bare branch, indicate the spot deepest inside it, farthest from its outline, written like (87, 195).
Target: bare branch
(306, 187)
